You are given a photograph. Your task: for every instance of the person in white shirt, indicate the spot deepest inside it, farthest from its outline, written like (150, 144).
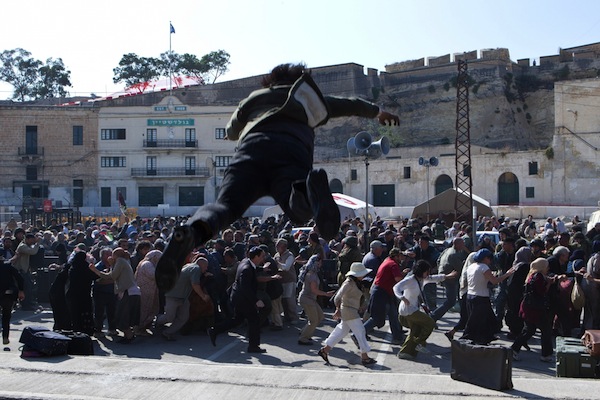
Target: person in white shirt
(408, 291)
(481, 324)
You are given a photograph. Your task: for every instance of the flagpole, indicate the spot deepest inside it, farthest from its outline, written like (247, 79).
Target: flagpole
(170, 60)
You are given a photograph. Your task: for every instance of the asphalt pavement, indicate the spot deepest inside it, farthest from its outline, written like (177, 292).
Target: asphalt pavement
(190, 368)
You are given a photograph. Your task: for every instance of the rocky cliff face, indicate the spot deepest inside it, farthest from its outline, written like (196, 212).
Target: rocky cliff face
(500, 115)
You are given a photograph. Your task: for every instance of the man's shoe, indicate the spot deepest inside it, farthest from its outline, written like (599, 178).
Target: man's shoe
(547, 359)
(305, 343)
(212, 334)
(256, 350)
(5, 340)
(405, 356)
(325, 211)
(173, 258)
(300, 209)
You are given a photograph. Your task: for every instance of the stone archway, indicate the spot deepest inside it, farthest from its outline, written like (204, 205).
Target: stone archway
(508, 189)
(336, 186)
(443, 183)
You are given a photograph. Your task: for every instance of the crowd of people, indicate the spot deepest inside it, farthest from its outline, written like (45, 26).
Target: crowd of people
(269, 274)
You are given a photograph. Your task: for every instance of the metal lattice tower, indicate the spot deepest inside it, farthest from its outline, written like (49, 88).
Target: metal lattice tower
(463, 206)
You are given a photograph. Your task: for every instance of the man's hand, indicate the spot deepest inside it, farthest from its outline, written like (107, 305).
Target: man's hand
(260, 304)
(386, 118)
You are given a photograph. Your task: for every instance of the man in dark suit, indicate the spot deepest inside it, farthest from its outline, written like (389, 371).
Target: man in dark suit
(244, 300)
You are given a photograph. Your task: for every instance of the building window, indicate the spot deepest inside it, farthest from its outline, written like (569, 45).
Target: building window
(219, 133)
(123, 191)
(530, 192)
(151, 136)
(151, 196)
(151, 162)
(466, 170)
(105, 200)
(31, 139)
(191, 196)
(77, 135)
(78, 192)
(190, 165)
(406, 172)
(190, 134)
(533, 168)
(112, 162)
(353, 175)
(112, 134)
(31, 173)
(222, 161)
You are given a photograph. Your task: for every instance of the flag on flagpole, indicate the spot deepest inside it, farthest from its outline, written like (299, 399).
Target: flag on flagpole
(172, 30)
(122, 204)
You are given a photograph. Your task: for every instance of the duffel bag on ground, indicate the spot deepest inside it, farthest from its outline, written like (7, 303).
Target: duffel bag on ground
(46, 342)
(29, 331)
(591, 341)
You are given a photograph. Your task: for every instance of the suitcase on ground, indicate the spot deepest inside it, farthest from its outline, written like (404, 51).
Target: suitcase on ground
(591, 341)
(487, 366)
(573, 360)
(81, 343)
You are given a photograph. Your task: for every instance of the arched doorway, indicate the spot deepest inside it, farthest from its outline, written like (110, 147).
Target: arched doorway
(443, 183)
(336, 186)
(508, 189)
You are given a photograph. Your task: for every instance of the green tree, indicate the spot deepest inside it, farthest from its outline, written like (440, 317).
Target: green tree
(191, 66)
(136, 71)
(32, 79)
(217, 62)
(21, 71)
(53, 79)
(169, 64)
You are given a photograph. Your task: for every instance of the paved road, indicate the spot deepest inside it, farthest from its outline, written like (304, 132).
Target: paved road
(190, 367)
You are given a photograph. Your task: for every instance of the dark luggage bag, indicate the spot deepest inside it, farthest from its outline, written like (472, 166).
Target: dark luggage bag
(488, 366)
(29, 331)
(591, 341)
(44, 341)
(81, 344)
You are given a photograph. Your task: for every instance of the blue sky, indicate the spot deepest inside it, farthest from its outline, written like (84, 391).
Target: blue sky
(91, 38)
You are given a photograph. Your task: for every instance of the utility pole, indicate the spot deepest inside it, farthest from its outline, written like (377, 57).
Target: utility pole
(463, 206)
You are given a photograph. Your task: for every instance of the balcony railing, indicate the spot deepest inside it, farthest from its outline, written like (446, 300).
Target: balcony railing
(163, 172)
(170, 143)
(31, 151)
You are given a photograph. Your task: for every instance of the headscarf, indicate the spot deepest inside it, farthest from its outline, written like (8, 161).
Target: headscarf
(151, 254)
(523, 256)
(310, 266)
